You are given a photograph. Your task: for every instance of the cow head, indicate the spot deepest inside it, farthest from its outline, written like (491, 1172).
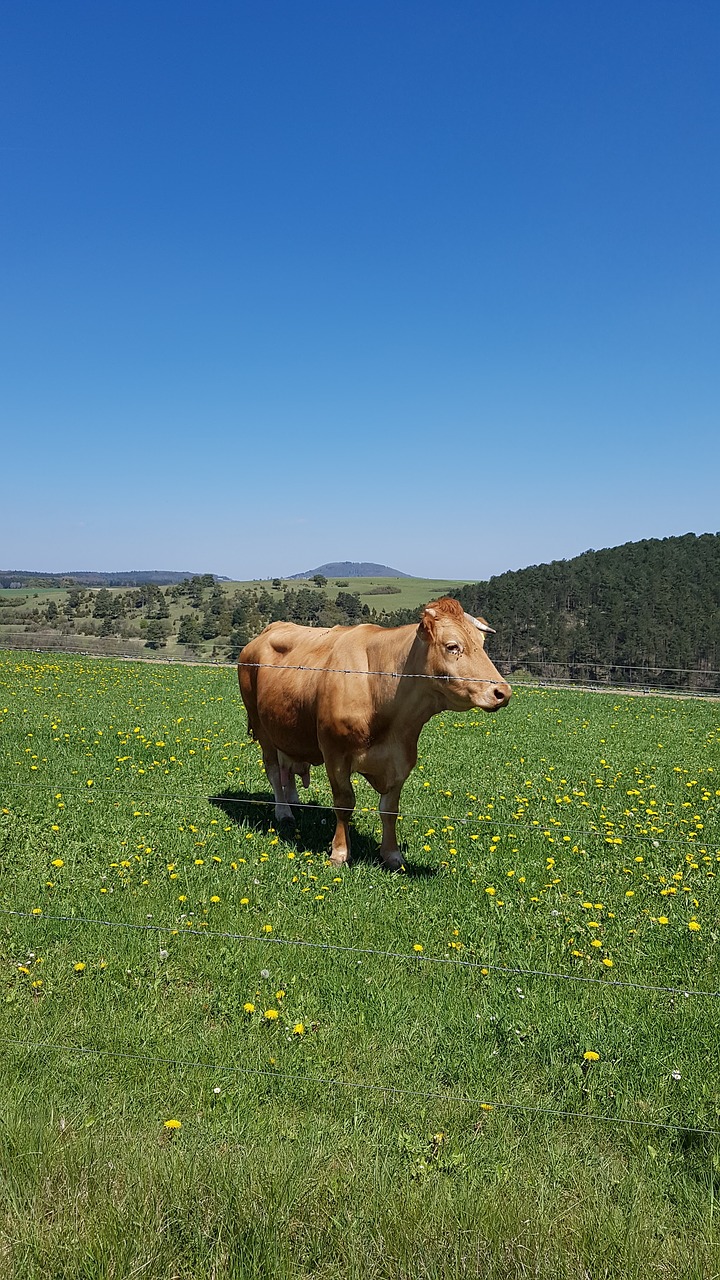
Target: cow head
(456, 657)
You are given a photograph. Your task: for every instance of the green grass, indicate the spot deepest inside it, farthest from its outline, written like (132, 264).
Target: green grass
(529, 835)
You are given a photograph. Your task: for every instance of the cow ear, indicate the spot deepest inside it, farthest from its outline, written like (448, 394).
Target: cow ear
(428, 619)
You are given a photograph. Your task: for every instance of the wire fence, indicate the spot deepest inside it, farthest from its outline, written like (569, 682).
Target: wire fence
(366, 671)
(537, 829)
(388, 1091)
(416, 958)
(645, 679)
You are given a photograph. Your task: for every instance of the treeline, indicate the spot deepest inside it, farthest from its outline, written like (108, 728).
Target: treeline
(197, 613)
(25, 578)
(237, 617)
(644, 609)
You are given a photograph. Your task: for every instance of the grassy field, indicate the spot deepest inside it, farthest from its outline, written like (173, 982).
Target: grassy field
(221, 1058)
(407, 593)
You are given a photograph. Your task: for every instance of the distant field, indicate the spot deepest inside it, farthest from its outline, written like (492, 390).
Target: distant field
(28, 593)
(408, 593)
(222, 1058)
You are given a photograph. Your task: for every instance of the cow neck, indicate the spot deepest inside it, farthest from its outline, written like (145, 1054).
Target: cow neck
(416, 700)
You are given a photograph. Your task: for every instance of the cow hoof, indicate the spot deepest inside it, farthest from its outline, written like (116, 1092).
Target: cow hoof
(394, 861)
(339, 858)
(283, 813)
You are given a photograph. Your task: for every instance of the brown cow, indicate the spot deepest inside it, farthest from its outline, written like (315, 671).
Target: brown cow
(349, 698)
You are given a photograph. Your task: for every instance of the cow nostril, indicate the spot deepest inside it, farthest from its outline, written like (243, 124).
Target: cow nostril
(501, 692)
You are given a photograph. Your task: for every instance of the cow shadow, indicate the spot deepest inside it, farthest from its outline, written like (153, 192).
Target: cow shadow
(311, 831)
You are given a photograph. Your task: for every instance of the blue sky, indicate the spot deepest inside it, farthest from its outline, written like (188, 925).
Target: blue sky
(434, 284)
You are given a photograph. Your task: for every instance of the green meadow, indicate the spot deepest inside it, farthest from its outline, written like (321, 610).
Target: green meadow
(379, 593)
(221, 1058)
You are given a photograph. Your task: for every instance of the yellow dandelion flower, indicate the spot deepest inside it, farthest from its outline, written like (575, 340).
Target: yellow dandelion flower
(299, 1029)
(417, 946)
(694, 926)
(591, 1056)
(271, 1015)
(248, 1007)
(215, 898)
(172, 1124)
(79, 967)
(607, 962)
(267, 928)
(37, 911)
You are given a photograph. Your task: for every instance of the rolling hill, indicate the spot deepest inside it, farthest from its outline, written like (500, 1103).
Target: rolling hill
(350, 569)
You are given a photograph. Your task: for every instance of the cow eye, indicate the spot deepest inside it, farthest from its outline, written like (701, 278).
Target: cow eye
(453, 648)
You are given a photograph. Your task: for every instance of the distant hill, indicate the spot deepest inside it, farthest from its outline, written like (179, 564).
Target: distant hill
(350, 569)
(652, 605)
(93, 578)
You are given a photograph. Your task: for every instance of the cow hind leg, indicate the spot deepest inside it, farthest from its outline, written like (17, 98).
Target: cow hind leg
(389, 852)
(283, 811)
(289, 771)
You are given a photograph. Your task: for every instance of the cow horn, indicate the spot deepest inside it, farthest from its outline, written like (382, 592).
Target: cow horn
(480, 623)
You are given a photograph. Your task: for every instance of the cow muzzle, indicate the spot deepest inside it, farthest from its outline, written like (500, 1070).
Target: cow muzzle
(497, 696)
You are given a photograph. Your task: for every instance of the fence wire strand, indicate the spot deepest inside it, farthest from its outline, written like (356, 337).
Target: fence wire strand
(538, 829)
(185, 930)
(391, 675)
(568, 664)
(388, 1090)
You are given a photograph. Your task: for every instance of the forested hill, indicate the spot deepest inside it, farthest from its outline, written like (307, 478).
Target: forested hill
(651, 604)
(350, 569)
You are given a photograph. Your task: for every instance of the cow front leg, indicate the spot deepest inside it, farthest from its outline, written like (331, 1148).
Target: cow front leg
(389, 807)
(344, 802)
